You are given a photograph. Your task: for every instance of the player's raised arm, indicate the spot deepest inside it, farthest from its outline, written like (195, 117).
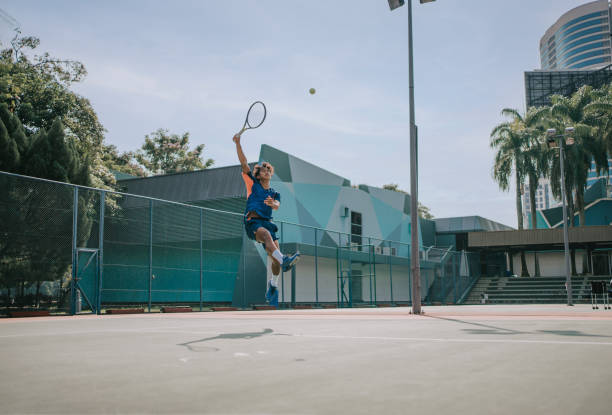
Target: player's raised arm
(241, 156)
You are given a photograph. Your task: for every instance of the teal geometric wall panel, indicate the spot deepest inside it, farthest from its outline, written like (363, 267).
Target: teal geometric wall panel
(387, 217)
(304, 172)
(288, 209)
(393, 199)
(280, 161)
(318, 199)
(306, 219)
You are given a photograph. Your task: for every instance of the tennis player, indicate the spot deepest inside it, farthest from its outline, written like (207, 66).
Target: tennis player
(261, 201)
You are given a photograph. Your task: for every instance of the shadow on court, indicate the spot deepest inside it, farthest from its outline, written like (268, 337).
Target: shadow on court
(460, 360)
(195, 347)
(488, 329)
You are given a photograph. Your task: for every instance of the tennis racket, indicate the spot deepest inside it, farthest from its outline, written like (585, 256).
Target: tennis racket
(255, 117)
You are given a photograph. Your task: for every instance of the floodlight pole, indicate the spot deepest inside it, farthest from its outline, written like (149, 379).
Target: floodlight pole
(568, 278)
(414, 220)
(415, 267)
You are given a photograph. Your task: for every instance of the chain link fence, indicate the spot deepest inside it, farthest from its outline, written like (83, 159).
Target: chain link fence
(70, 249)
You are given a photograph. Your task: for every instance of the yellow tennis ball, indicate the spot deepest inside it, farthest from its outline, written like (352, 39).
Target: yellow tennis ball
(312, 91)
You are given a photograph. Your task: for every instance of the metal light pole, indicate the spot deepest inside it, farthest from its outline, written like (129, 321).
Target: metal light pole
(552, 139)
(415, 268)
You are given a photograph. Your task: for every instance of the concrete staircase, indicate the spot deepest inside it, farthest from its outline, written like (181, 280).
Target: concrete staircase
(532, 290)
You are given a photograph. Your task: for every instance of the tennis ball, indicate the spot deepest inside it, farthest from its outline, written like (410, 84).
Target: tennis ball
(312, 91)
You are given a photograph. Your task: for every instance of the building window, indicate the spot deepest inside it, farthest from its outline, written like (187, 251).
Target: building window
(356, 228)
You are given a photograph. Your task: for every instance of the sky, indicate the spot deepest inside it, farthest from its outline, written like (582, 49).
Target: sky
(196, 66)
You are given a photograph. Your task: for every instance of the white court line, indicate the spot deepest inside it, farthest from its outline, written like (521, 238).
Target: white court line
(138, 330)
(315, 336)
(448, 340)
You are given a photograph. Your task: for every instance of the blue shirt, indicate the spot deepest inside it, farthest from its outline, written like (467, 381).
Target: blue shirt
(256, 194)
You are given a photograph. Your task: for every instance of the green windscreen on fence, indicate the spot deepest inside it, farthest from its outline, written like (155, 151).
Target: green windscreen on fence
(117, 249)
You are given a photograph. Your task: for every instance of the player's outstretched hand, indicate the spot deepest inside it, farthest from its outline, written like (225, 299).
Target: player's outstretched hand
(274, 204)
(236, 139)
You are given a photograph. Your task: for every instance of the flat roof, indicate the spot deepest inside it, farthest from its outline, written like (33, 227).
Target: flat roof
(600, 236)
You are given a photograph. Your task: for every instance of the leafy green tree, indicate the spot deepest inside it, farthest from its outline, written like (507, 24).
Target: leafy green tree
(53, 157)
(37, 217)
(9, 153)
(13, 142)
(37, 90)
(121, 162)
(164, 153)
(422, 210)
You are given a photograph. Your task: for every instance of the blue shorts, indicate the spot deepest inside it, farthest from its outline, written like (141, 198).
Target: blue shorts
(251, 226)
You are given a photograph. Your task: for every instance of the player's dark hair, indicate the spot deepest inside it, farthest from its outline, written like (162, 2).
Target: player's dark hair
(257, 169)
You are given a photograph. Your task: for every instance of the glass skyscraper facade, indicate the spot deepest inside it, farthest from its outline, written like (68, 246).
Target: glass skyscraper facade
(580, 39)
(574, 51)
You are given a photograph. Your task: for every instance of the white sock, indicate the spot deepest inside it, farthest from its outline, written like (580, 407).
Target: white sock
(278, 256)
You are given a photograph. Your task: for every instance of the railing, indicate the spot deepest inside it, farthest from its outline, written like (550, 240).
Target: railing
(65, 247)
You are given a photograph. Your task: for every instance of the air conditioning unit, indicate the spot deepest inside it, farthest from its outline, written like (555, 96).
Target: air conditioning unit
(385, 250)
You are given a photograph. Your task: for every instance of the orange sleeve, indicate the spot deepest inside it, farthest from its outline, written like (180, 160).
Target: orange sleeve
(248, 183)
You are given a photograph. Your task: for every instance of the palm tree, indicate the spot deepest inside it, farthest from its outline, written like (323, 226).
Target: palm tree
(600, 111)
(508, 139)
(535, 163)
(571, 111)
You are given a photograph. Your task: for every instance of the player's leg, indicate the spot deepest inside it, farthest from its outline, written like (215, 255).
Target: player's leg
(272, 285)
(275, 264)
(263, 236)
(286, 262)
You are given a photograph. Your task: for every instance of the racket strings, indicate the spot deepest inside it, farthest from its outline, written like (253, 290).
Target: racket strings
(256, 115)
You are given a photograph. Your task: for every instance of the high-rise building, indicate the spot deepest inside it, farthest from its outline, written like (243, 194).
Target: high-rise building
(544, 199)
(574, 51)
(579, 39)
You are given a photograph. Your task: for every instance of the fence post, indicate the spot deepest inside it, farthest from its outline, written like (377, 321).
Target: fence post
(455, 276)
(75, 212)
(282, 272)
(150, 251)
(339, 274)
(101, 252)
(370, 270)
(201, 265)
(374, 271)
(316, 268)
(293, 287)
(410, 276)
(390, 272)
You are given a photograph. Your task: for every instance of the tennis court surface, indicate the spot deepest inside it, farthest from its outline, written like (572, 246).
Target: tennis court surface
(535, 359)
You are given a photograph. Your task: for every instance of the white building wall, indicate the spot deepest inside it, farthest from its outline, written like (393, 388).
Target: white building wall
(327, 281)
(552, 264)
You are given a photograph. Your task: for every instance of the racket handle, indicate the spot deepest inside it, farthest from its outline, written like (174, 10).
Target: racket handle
(240, 132)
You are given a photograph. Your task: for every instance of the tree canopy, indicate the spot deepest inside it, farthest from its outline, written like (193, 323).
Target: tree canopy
(164, 153)
(36, 89)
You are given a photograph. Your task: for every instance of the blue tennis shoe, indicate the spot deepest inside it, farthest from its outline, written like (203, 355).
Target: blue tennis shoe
(272, 294)
(290, 261)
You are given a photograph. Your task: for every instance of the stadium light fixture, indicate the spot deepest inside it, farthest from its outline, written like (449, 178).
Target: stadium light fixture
(394, 4)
